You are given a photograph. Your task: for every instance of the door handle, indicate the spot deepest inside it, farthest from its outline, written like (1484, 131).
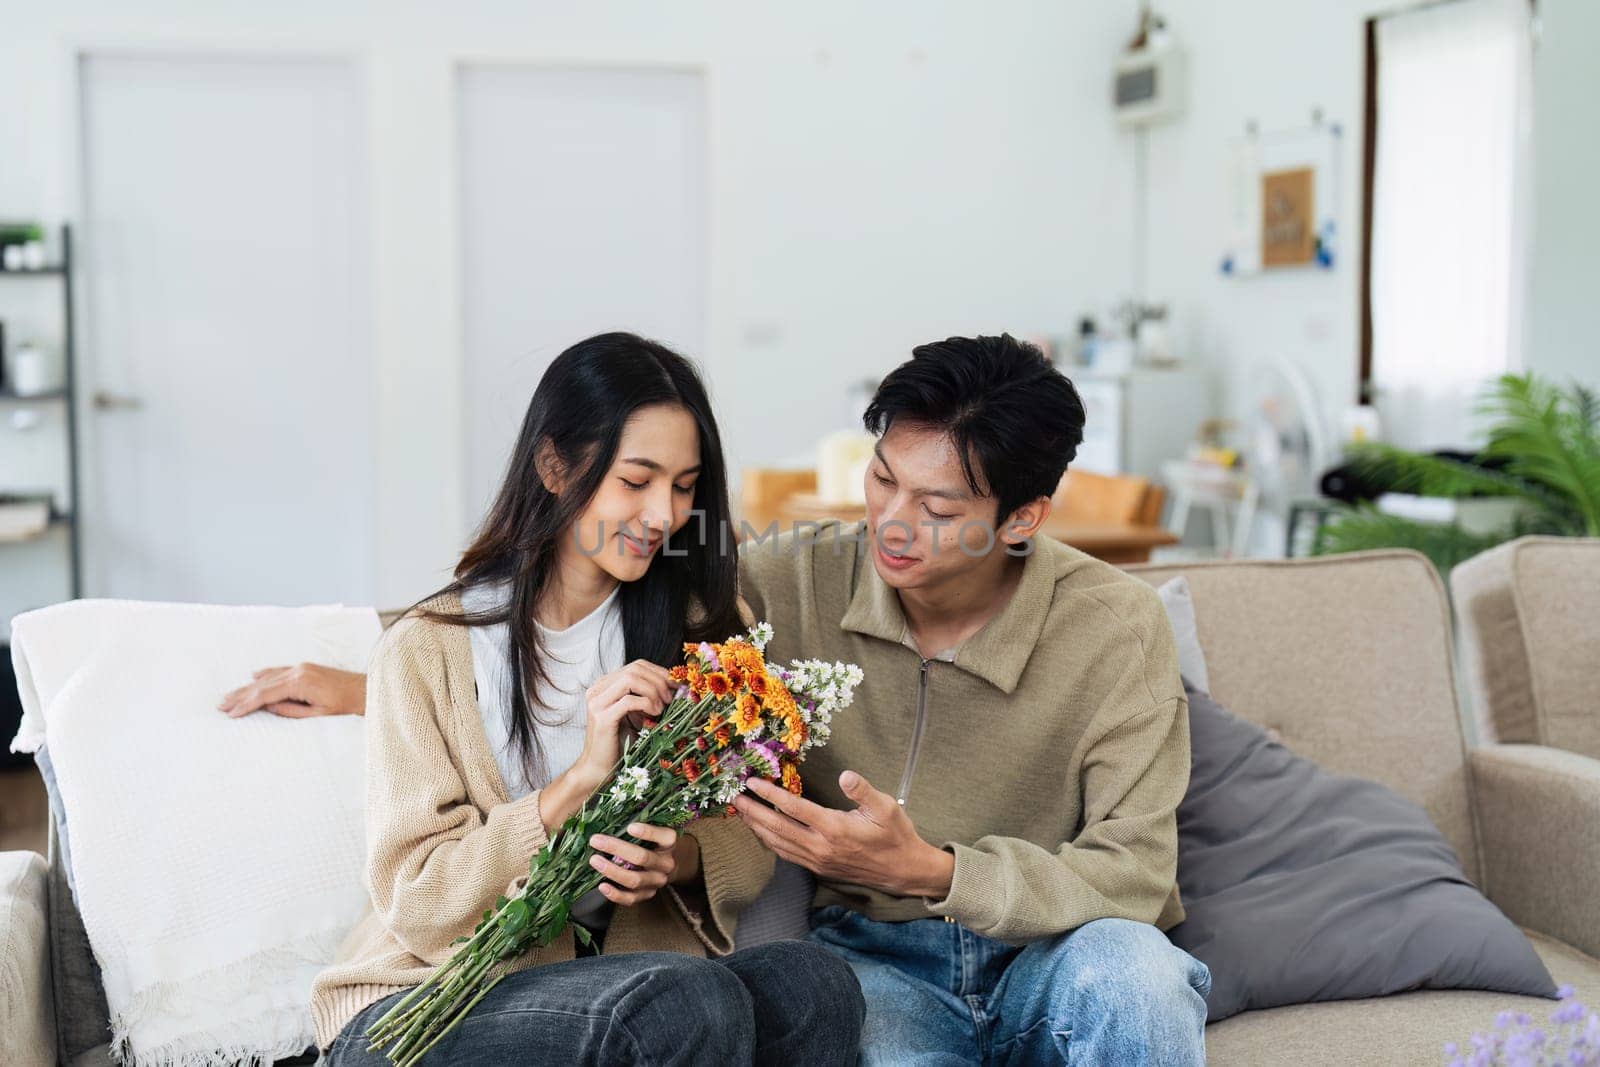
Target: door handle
(107, 401)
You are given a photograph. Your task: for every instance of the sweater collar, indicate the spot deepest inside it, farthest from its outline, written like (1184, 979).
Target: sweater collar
(998, 653)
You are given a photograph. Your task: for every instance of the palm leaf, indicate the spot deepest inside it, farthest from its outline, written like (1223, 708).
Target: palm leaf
(1365, 528)
(1587, 403)
(1545, 436)
(1414, 472)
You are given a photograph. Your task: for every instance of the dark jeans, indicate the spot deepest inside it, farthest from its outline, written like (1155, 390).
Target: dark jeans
(787, 1002)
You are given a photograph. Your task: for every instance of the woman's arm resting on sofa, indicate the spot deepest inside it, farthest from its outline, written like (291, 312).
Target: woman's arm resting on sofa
(1539, 812)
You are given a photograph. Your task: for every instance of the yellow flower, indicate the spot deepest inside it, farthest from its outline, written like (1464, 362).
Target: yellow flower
(791, 778)
(747, 720)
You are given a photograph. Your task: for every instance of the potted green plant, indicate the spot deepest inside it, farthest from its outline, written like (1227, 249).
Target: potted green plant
(1543, 450)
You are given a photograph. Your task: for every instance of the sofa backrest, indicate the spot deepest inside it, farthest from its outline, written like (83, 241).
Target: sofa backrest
(1349, 659)
(1530, 641)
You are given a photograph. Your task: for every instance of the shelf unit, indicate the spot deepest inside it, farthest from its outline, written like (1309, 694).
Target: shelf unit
(67, 397)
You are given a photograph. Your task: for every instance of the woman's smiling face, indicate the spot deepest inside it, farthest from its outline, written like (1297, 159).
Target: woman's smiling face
(645, 496)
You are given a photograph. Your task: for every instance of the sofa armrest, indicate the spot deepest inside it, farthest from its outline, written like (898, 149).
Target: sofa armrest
(27, 1005)
(1539, 816)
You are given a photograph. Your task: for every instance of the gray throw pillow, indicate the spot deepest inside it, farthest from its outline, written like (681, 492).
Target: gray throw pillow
(1301, 885)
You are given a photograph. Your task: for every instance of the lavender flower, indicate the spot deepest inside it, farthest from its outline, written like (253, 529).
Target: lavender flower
(1572, 1037)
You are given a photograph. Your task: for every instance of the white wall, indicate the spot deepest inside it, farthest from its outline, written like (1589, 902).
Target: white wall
(882, 174)
(1270, 62)
(1274, 62)
(1564, 326)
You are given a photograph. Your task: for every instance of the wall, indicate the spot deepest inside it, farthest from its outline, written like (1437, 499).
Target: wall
(1274, 62)
(1564, 326)
(881, 175)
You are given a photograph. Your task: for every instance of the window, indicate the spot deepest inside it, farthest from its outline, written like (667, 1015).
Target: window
(1450, 97)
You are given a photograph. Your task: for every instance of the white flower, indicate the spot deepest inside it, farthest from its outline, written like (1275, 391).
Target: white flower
(631, 784)
(760, 634)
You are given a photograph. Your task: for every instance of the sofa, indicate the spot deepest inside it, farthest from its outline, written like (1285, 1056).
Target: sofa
(1349, 660)
(1529, 615)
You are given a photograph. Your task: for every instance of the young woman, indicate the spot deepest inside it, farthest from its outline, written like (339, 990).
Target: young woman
(499, 704)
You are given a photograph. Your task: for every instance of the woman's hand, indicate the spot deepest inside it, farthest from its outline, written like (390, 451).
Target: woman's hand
(669, 859)
(624, 697)
(301, 692)
(627, 697)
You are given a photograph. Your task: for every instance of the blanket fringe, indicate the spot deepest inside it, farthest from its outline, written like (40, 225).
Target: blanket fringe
(282, 1029)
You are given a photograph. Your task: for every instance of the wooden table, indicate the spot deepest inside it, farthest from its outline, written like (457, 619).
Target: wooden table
(1114, 542)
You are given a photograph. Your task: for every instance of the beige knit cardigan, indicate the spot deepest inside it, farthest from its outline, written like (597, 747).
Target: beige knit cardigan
(444, 839)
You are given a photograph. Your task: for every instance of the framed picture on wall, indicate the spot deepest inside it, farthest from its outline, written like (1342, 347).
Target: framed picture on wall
(1288, 217)
(1284, 193)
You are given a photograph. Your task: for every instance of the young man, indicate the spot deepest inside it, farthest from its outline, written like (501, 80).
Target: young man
(993, 825)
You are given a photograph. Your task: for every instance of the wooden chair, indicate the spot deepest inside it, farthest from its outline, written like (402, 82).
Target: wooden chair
(763, 490)
(1099, 498)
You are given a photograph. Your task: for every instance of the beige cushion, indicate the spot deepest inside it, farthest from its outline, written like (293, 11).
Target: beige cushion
(27, 1016)
(1406, 1028)
(1348, 658)
(1531, 639)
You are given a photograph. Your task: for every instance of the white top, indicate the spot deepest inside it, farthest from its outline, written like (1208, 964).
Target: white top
(575, 658)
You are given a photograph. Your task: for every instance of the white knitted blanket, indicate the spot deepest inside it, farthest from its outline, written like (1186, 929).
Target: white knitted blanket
(218, 861)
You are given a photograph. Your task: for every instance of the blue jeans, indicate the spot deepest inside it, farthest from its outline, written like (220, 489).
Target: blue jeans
(1110, 992)
(786, 1002)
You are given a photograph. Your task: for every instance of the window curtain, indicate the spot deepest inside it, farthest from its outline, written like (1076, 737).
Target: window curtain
(1451, 220)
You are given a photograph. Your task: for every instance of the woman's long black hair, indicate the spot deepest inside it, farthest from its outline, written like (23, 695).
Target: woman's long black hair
(689, 593)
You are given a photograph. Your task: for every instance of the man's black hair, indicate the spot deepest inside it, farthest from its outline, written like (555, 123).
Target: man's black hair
(1014, 419)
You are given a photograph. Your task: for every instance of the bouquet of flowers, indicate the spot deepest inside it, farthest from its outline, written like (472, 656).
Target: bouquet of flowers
(732, 716)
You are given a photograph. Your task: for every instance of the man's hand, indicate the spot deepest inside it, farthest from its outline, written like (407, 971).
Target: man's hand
(875, 845)
(299, 693)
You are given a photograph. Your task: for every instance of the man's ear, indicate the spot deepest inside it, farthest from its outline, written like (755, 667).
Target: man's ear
(552, 472)
(1025, 521)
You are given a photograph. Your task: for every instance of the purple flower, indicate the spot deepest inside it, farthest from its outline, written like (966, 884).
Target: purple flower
(708, 658)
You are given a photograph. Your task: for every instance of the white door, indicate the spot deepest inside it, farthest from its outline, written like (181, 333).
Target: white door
(228, 327)
(583, 209)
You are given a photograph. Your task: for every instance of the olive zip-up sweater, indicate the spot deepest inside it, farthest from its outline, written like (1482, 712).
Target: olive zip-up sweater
(1052, 751)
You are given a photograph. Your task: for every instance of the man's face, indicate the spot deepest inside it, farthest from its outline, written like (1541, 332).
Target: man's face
(926, 525)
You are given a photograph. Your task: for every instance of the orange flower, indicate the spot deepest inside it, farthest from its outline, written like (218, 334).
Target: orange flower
(731, 810)
(714, 724)
(791, 778)
(757, 683)
(712, 765)
(724, 736)
(735, 677)
(697, 682)
(666, 764)
(779, 700)
(746, 657)
(691, 770)
(718, 683)
(691, 649)
(795, 736)
(679, 674)
(748, 718)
